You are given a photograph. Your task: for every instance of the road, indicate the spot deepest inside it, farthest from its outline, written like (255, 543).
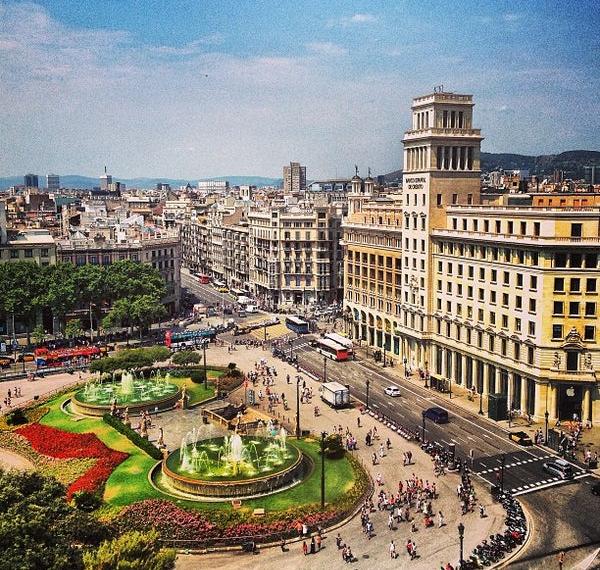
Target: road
(566, 514)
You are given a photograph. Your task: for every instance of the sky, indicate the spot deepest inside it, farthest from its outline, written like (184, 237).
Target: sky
(201, 88)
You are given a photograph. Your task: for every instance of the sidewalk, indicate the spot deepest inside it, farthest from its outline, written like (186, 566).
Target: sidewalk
(436, 546)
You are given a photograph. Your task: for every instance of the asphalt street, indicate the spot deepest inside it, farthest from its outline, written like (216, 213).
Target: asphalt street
(566, 515)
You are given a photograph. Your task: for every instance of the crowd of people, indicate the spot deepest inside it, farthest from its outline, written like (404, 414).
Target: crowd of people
(14, 393)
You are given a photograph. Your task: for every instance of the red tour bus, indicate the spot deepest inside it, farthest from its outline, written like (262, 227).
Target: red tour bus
(331, 349)
(65, 356)
(204, 279)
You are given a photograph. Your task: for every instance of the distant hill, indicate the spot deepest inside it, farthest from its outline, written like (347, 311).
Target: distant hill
(571, 161)
(77, 181)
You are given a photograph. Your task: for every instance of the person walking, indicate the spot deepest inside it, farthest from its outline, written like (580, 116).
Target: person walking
(441, 521)
(392, 550)
(391, 520)
(561, 559)
(318, 541)
(304, 547)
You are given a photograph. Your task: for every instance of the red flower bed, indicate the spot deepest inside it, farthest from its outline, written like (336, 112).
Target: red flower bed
(175, 523)
(65, 445)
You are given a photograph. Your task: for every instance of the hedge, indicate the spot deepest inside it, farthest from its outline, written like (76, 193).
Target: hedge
(133, 436)
(132, 358)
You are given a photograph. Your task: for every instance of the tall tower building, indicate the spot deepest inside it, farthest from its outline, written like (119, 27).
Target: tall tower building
(294, 178)
(31, 181)
(105, 181)
(53, 182)
(441, 168)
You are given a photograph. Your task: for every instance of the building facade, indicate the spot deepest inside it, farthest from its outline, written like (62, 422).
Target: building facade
(294, 178)
(498, 299)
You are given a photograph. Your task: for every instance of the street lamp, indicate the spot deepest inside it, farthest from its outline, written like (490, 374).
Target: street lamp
(384, 347)
(323, 436)
(368, 383)
(324, 368)
(204, 353)
(426, 373)
(546, 414)
(297, 407)
(461, 536)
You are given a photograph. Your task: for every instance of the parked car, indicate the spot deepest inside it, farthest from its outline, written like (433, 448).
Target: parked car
(596, 489)
(393, 391)
(560, 468)
(436, 415)
(6, 361)
(520, 437)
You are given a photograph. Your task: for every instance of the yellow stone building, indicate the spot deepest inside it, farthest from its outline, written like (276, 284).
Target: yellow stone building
(499, 299)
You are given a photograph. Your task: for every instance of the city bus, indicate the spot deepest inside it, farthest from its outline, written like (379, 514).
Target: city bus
(331, 349)
(297, 325)
(344, 341)
(188, 339)
(204, 279)
(65, 356)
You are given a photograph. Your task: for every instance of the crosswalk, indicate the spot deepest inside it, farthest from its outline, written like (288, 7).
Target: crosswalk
(543, 484)
(514, 464)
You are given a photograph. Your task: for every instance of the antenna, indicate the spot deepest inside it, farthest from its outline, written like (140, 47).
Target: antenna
(105, 169)
(356, 169)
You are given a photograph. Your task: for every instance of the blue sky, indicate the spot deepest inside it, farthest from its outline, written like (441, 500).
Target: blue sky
(200, 88)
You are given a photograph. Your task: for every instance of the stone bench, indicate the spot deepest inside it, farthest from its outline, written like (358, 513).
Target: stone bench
(258, 512)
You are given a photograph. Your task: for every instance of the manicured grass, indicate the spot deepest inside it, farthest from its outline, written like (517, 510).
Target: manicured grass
(196, 392)
(129, 481)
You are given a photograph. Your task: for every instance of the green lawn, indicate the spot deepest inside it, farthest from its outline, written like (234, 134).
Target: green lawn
(129, 481)
(196, 392)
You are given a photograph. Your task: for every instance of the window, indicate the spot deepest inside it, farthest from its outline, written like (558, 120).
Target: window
(520, 280)
(486, 226)
(439, 200)
(480, 315)
(591, 260)
(557, 332)
(45, 252)
(494, 276)
(470, 271)
(560, 260)
(523, 228)
(14, 254)
(506, 278)
(576, 230)
(574, 309)
(28, 253)
(479, 339)
(531, 328)
(590, 285)
(590, 309)
(518, 325)
(481, 274)
(503, 345)
(454, 198)
(505, 299)
(559, 284)
(491, 343)
(530, 355)
(469, 292)
(558, 308)
(532, 305)
(517, 351)
(480, 294)
(589, 332)
(536, 229)
(493, 297)
(504, 321)
(575, 285)
(533, 283)
(519, 302)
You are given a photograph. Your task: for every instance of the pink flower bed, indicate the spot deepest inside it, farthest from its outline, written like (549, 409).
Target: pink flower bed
(61, 444)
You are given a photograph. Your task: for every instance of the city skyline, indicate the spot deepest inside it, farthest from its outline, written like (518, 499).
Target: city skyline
(326, 85)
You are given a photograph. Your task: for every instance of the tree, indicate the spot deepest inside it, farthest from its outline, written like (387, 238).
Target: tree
(39, 334)
(91, 284)
(145, 310)
(73, 328)
(61, 295)
(126, 279)
(186, 357)
(131, 551)
(38, 528)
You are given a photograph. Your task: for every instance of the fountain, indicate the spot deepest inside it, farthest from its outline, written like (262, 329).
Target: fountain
(136, 393)
(234, 465)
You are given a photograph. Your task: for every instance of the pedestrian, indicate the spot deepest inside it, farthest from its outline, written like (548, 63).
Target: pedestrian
(338, 541)
(441, 521)
(392, 550)
(561, 559)
(304, 529)
(381, 450)
(318, 541)
(312, 545)
(388, 443)
(391, 520)
(345, 554)
(482, 514)
(358, 421)
(304, 547)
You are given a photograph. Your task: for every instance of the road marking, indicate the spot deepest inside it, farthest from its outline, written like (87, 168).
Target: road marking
(482, 463)
(469, 437)
(486, 435)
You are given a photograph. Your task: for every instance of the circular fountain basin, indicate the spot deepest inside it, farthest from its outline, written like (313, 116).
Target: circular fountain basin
(143, 394)
(263, 469)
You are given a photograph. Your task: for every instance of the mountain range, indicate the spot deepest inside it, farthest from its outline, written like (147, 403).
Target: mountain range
(77, 181)
(572, 162)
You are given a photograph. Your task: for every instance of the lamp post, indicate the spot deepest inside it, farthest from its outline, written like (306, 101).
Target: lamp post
(426, 374)
(324, 368)
(546, 415)
(423, 427)
(323, 436)
(384, 347)
(368, 384)
(297, 407)
(265, 331)
(450, 386)
(461, 537)
(204, 354)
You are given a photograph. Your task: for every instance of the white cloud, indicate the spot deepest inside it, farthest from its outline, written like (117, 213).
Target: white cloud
(326, 48)
(355, 20)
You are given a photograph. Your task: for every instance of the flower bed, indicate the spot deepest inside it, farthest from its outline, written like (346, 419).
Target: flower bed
(66, 471)
(177, 524)
(65, 445)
